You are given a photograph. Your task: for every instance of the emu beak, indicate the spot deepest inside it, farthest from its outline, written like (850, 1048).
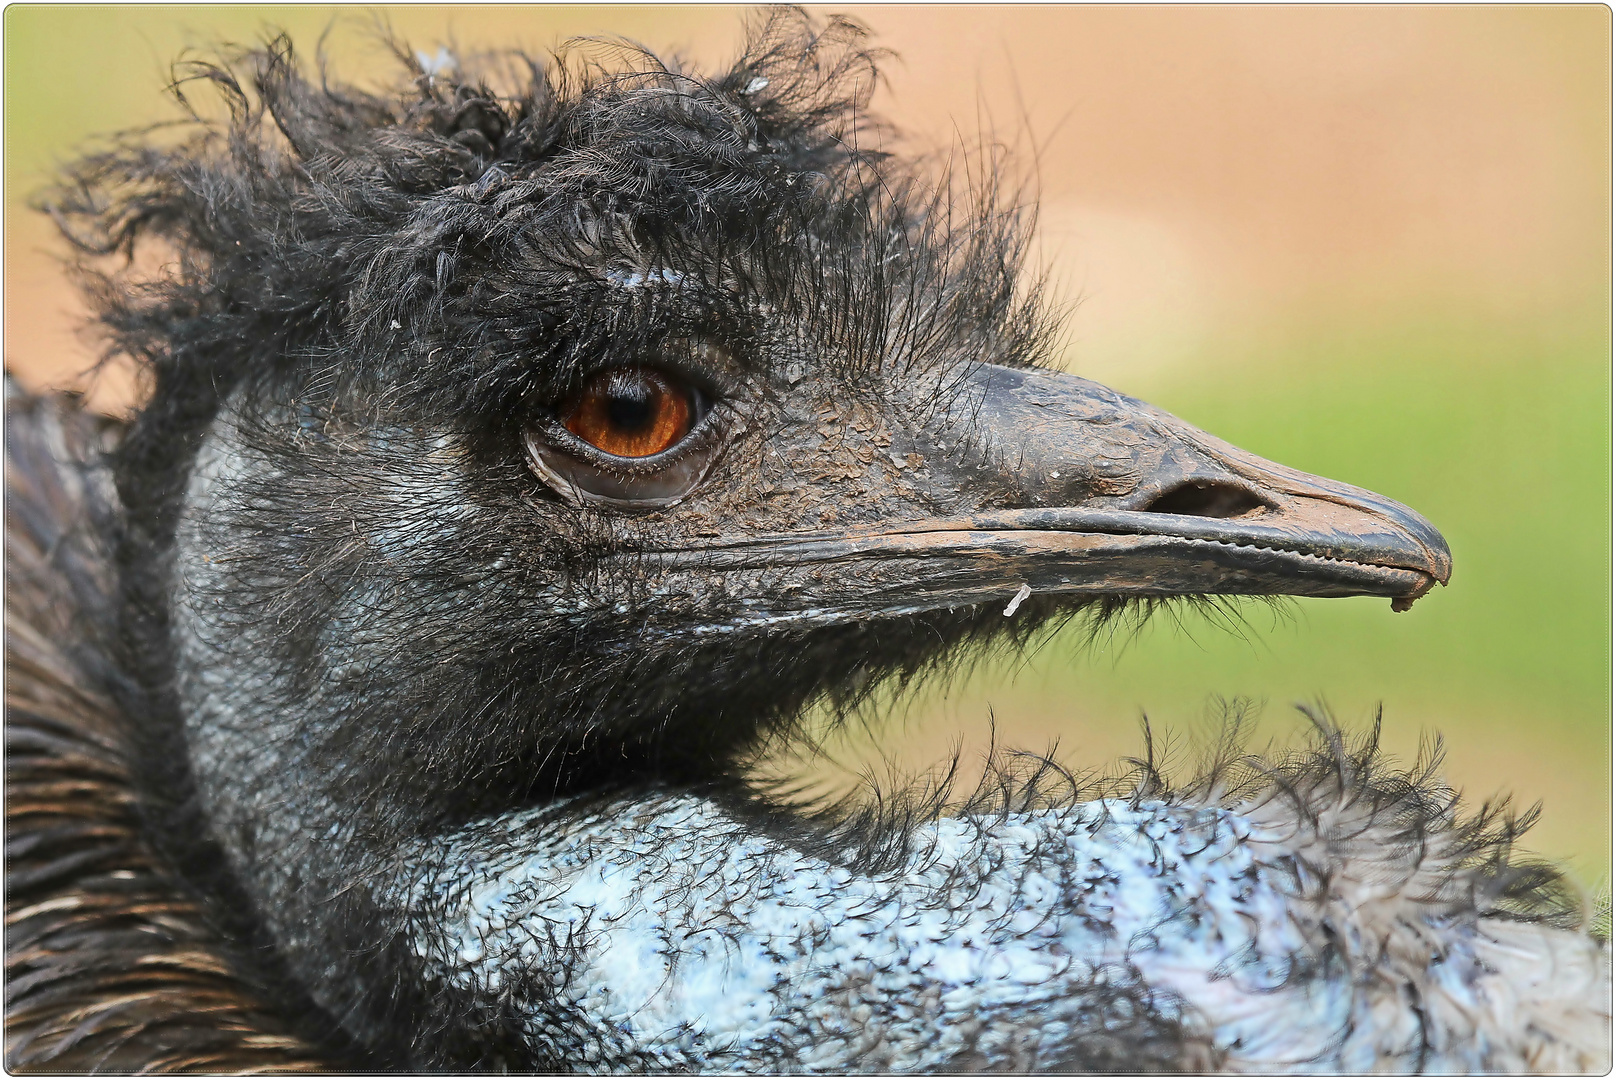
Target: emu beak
(1101, 495)
(1146, 504)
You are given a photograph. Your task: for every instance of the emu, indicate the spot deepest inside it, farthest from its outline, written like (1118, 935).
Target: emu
(516, 465)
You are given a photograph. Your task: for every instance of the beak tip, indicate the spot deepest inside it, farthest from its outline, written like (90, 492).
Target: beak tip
(1439, 571)
(1429, 548)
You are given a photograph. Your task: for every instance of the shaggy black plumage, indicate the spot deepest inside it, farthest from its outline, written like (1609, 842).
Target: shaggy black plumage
(387, 612)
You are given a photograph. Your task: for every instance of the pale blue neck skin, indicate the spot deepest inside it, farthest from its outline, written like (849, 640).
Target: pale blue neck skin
(1008, 943)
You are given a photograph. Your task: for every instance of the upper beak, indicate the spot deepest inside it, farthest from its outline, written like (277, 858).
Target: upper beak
(1108, 496)
(1195, 514)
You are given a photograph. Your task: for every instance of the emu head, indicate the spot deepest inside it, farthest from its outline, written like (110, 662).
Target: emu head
(503, 445)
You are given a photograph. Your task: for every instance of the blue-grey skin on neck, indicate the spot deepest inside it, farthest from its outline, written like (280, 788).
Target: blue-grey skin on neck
(662, 928)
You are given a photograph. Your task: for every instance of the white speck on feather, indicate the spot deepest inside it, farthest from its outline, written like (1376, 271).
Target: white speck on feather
(634, 279)
(1015, 601)
(436, 65)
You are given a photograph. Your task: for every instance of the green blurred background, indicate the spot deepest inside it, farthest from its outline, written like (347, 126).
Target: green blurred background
(1369, 242)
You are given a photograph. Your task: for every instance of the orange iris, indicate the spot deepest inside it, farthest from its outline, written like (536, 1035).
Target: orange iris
(630, 412)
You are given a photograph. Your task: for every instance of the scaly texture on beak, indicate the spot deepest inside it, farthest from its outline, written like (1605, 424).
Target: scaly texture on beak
(1097, 463)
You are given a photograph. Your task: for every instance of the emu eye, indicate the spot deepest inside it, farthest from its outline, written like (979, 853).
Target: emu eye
(635, 437)
(631, 412)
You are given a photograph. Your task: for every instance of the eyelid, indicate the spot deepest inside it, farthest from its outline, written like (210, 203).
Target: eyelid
(711, 382)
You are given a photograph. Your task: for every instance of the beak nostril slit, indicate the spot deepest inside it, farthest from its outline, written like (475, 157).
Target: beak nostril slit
(1206, 499)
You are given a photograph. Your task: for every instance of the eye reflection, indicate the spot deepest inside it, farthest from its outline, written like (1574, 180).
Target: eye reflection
(631, 412)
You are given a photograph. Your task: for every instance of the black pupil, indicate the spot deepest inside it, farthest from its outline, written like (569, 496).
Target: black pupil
(630, 403)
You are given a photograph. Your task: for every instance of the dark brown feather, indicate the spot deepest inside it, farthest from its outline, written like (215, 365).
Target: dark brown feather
(110, 966)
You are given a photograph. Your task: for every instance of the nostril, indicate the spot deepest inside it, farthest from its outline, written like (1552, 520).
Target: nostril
(1208, 499)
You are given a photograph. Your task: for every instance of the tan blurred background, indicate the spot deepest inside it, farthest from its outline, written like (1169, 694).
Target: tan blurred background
(1372, 242)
